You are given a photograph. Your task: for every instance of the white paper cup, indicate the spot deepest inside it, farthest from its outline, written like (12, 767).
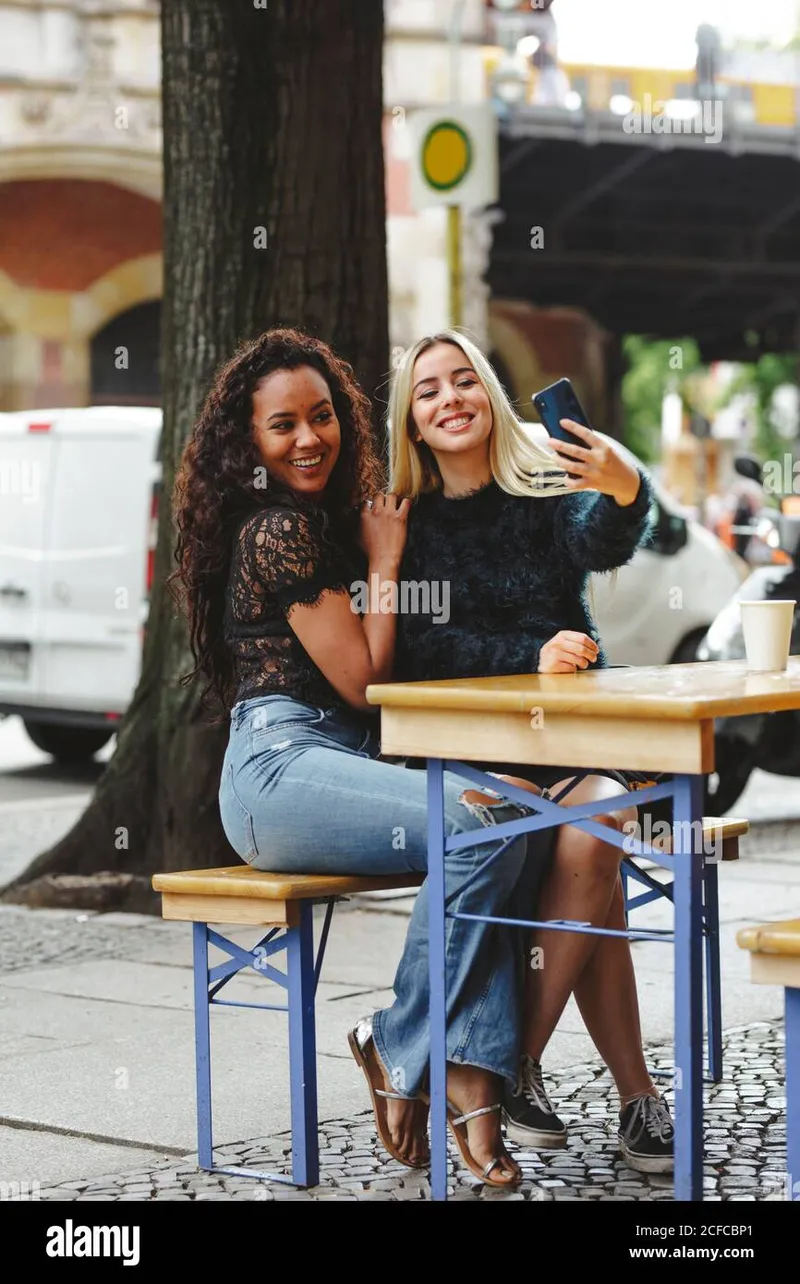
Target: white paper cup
(767, 628)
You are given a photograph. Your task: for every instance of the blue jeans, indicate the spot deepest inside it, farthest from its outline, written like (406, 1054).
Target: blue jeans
(302, 792)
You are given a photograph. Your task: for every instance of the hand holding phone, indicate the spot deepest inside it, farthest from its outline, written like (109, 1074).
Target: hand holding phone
(602, 468)
(560, 401)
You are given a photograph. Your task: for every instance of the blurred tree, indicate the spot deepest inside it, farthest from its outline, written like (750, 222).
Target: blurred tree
(762, 379)
(274, 212)
(655, 367)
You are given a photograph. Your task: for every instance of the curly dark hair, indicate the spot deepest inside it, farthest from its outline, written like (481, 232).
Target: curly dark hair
(214, 488)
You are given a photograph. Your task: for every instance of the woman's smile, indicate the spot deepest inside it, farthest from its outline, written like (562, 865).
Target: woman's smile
(450, 406)
(455, 423)
(295, 428)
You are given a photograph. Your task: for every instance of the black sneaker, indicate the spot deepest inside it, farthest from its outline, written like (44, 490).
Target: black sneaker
(528, 1114)
(647, 1135)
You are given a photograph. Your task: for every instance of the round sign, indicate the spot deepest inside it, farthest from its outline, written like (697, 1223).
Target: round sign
(446, 155)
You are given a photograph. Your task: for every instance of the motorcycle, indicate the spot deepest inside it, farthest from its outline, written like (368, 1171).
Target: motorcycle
(771, 741)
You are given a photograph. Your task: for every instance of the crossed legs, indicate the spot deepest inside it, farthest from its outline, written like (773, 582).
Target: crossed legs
(584, 884)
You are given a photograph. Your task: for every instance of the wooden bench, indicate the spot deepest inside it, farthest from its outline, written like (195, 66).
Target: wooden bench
(283, 903)
(775, 960)
(720, 843)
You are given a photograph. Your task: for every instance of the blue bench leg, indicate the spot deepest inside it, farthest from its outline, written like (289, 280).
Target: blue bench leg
(793, 1090)
(202, 1046)
(713, 985)
(303, 1048)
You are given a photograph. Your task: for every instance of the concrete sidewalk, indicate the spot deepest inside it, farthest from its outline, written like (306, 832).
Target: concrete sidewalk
(98, 1064)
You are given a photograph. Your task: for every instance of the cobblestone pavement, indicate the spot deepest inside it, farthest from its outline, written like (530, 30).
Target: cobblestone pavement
(745, 1149)
(32, 938)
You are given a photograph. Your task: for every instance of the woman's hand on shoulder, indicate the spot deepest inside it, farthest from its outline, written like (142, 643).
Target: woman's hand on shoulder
(384, 524)
(597, 465)
(566, 652)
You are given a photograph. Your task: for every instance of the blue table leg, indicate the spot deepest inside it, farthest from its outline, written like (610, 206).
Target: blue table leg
(713, 982)
(793, 1090)
(688, 857)
(438, 980)
(202, 1046)
(301, 984)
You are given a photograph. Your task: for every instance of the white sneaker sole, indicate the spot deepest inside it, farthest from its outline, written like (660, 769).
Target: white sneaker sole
(532, 1137)
(646, 1163)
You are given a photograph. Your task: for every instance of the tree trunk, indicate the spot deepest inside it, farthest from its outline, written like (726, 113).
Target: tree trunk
(274, 213)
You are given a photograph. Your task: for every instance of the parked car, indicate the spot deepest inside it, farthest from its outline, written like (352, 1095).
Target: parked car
(656, 609)
(78, 493)
(77, 534)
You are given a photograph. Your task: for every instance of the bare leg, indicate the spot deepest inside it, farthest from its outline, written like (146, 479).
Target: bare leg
(584, 885)
(606, 997)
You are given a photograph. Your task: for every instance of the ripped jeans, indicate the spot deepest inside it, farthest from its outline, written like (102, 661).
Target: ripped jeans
(302, 792)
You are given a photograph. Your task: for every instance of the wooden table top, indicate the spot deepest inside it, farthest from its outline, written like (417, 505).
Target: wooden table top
(673, 692)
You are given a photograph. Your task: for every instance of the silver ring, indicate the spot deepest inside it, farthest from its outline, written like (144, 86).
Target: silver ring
(369, 503)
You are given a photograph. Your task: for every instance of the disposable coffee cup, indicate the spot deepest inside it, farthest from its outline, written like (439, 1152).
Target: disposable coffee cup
(767, 628)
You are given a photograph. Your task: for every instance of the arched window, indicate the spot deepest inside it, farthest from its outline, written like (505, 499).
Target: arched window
(126, 358)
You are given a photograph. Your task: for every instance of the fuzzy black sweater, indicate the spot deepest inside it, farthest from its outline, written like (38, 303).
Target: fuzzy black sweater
(504, 575)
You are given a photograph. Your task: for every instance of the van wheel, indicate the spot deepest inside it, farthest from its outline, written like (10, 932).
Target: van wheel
(686, 650)
(67, 744)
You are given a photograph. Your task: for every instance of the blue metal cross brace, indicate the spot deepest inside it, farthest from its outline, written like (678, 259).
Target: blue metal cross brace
(300, 981)
(687, 864)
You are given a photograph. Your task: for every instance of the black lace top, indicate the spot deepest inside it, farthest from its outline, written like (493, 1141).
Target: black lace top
(282, 558)
(506, 574)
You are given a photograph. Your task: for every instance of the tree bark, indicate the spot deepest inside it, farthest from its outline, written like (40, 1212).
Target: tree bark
(272, 133)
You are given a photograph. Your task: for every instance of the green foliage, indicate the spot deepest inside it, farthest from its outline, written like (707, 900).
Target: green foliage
(667, 365)
(655, 367)
(762, 378)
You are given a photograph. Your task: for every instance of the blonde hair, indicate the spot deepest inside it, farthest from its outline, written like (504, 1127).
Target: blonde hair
(519, 464)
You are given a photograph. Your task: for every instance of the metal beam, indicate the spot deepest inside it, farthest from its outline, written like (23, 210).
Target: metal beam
(604, 184)
(764, 230)
(645, 263)
(517, 155)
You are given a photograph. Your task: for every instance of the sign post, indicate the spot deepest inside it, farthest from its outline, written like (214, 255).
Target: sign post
(454, 163)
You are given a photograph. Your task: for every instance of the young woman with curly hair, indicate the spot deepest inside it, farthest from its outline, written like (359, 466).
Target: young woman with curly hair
(279, 514)
(514, 527)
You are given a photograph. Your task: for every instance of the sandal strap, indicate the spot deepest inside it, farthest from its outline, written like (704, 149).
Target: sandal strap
(393, 1096)
(493, 1163)
(473, 1114)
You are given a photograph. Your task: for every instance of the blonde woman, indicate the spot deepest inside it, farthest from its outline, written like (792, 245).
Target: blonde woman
(497, 521)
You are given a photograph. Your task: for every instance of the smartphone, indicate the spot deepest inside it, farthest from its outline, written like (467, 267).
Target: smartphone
(560, 401)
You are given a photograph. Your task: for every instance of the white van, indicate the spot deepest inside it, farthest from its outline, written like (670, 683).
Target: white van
(78, 495)
(78, 511)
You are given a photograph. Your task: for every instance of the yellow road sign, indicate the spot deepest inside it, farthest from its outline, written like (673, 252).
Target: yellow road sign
(446, 155)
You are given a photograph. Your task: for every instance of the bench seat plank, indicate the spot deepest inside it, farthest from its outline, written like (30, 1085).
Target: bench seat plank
(242, 881)
(723, 829)
(772, 938)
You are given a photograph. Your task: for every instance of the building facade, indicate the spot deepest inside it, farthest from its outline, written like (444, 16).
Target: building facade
(80, 207)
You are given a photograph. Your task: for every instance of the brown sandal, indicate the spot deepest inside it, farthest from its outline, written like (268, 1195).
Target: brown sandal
(458, 1127)
(362, 1046)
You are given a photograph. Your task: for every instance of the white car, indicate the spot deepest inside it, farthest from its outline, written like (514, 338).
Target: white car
(656, 609)
(78, 509)
(78, 490)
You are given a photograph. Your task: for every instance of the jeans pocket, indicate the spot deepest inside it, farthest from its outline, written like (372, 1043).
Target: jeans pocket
(236, 820)
(261, 725)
